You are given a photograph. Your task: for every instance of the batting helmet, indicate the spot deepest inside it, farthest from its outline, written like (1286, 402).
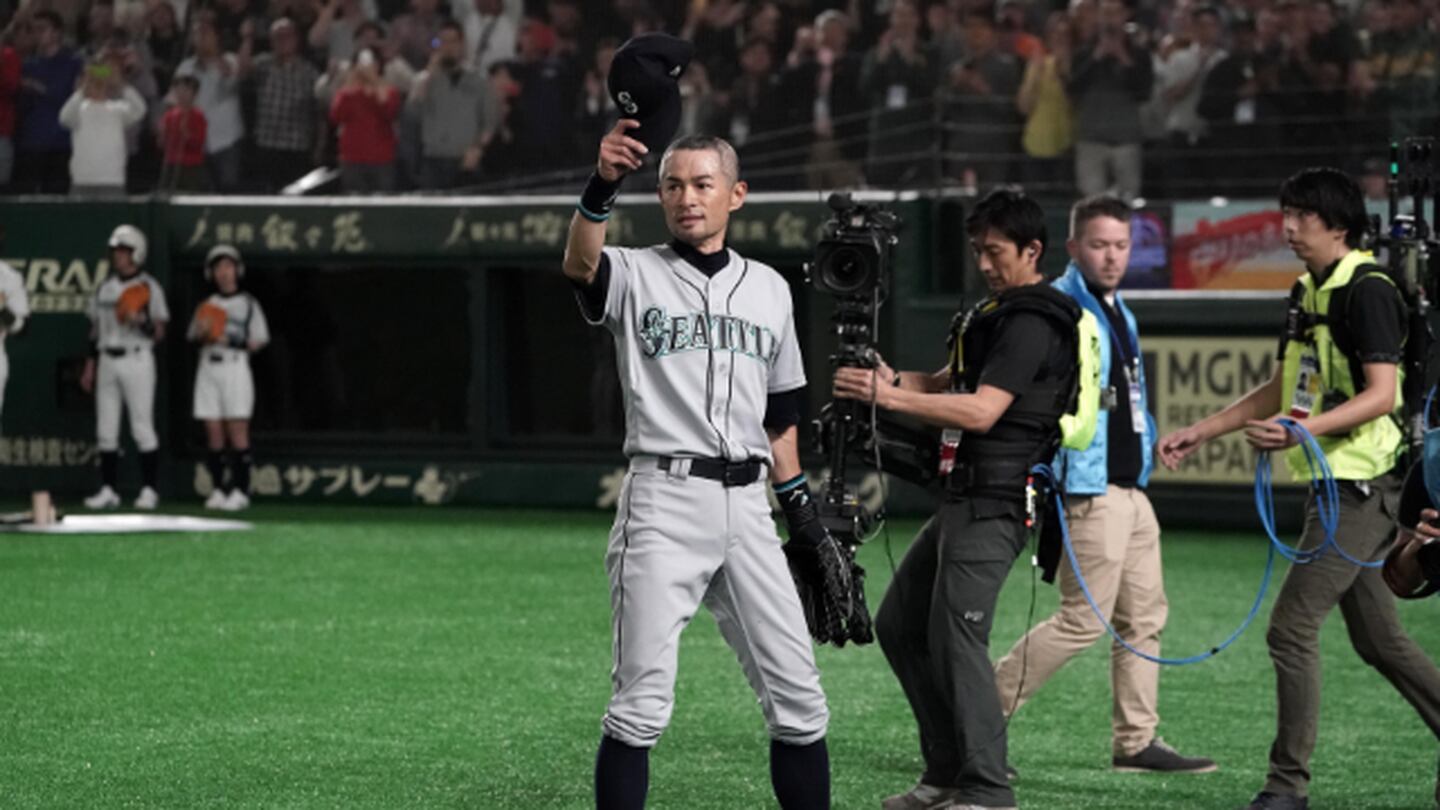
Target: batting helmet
(129, 236)
(223, 252)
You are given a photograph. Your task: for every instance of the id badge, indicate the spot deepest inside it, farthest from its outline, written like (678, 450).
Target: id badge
(1307, 386)
(897, 96)
(1137, 404)
(949, 444)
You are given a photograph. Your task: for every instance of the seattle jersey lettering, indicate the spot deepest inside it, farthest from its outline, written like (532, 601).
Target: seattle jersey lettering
(662, 334)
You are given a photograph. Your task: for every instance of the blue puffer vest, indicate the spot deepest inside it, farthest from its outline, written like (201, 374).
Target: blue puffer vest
(1085, 472)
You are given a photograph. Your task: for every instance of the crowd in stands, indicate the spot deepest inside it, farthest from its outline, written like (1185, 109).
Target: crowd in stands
(1160, 98)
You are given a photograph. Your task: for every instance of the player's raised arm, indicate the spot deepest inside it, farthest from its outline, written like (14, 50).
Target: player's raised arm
(620, 154)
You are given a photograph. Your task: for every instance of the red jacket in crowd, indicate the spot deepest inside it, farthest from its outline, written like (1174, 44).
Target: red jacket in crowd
(184, 136)
(367, 123)
(9, 89)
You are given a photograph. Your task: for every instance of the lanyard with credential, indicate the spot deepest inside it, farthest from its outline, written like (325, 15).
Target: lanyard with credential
(1130, 368)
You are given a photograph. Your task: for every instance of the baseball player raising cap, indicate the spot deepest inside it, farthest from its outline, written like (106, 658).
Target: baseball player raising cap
(712, 379)
(127, 318)
(229, 326)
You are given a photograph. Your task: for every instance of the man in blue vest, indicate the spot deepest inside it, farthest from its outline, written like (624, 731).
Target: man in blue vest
(1112, 527)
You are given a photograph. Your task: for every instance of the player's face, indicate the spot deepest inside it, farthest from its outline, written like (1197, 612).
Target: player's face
(698, 196)
(1102, 251)
(227, 280)
(1308, 236)
(1003, 264)
(122, 261)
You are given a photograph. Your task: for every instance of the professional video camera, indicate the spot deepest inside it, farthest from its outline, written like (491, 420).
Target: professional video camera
(853, 265)
(1411, 250)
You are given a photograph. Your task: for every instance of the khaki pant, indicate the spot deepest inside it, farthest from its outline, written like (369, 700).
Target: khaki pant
(1117, 541)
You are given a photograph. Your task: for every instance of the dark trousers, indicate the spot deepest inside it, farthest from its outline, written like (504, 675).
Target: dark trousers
(934, 626)
(42, 172)
(279, 168)
(367, 178)
(1367, 524)
(224, 169)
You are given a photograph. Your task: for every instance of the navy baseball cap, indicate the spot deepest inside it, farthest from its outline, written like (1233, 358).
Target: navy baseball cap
(643, 82)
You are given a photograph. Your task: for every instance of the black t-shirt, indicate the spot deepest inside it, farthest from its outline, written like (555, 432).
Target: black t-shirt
(1377, 321)
(1122, 444)
(1027, 348)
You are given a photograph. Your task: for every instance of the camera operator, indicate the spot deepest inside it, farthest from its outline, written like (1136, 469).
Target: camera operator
(1012, 365)
(1412, 568)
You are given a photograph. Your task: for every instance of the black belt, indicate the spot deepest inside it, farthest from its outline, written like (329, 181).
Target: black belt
(115, 351)
(217, 357)
(992, 474)
(729, 473)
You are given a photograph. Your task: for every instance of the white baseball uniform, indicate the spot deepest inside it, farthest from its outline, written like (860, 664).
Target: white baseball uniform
(698, 358)
(224, 387)
(125, 374)
(14, 298)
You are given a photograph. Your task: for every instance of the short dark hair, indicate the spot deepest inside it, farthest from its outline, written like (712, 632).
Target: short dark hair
(50, 17)
(1205, 11)
(1011, 213)
(1334, 197)
(1094, 207)
(188, 79)
(370, 25)
(729, 161)
(985, 17)
(452, 25)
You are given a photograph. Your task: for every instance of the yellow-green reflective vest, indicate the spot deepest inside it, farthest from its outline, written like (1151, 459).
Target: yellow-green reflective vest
(1369, 450)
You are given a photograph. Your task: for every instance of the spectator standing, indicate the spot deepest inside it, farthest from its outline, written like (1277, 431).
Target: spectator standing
(598, 112)
(840, 126)
(1049, 132)
(982, 126)
(97, 116)
(541, 112)
(1180, 78)
(897, 79)
(47, 78)
(165, 41)
(219, 100)
(490, 34)
(413, 33)
(1238, 104)
(1110, 79)
(364, 111)
(285, 107)
(451, 102)
(9, 95)
(182, 140)
(336, 30)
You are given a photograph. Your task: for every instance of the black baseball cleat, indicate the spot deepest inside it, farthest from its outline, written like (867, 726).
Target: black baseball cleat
(1265, 800)
(1158, 757)
(1010, 773)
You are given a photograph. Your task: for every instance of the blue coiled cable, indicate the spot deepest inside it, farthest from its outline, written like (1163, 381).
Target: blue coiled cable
(1323, 488)
(1045, 472)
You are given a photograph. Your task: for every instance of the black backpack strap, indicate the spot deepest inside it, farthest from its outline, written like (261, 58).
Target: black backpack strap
(1340, 320)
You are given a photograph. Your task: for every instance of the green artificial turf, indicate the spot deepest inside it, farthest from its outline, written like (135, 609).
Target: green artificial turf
(395, 658)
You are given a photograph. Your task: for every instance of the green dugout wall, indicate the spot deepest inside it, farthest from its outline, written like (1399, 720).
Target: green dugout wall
(428, 351)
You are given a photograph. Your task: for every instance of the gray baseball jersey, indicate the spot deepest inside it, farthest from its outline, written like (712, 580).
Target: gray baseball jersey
(699, 356)
(112, 334)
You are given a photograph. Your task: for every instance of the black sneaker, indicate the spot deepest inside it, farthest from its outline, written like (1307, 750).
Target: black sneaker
(1010, 773)
(1157, 757)
(1277, 801)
